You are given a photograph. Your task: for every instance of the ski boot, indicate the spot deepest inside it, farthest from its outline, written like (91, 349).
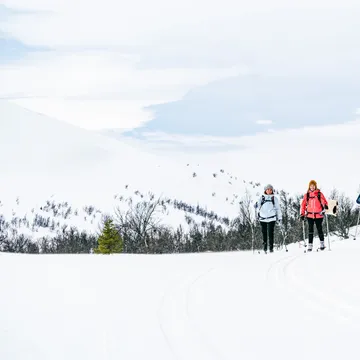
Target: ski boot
(310, 246)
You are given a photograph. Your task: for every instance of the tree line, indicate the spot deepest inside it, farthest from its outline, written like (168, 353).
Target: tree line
(139, 227)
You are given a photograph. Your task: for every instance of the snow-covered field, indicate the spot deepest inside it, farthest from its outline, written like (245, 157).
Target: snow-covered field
(238, 305)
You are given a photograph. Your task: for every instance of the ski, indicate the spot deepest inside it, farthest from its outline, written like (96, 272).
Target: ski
(317, 250)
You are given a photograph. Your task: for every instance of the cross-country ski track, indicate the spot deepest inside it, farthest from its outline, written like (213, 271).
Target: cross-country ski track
(203, 306)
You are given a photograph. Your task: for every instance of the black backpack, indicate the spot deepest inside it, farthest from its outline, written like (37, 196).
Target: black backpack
(263, 201)
(318, 196)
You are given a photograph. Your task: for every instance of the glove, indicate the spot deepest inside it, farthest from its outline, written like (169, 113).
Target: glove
(302, 217)
(326, 207)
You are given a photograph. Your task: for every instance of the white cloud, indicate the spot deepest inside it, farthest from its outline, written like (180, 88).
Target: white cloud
(140, 22)
(84, 74)
(96, 89)
(190, 42)
(264, 122)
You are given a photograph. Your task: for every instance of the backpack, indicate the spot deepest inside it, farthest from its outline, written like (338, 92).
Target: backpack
(264, 201)
(318, 196)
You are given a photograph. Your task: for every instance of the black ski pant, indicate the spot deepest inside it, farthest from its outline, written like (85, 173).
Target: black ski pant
(267, 229)
(318, 222)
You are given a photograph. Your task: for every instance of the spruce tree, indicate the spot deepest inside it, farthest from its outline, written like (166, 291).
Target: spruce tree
(109, 241)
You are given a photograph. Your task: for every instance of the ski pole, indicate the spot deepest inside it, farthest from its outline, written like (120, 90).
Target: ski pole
(284, 235)
(305, 245)
(303, 225)
(327, 227)
(253, 232)
(253, 240)
(281, 243)
(356, 229)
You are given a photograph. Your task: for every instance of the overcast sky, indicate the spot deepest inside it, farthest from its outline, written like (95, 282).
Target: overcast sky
(97, 65)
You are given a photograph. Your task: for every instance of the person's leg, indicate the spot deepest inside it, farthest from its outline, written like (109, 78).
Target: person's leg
(311, 232)
(320, 232)
(264, 233)
(271, 235)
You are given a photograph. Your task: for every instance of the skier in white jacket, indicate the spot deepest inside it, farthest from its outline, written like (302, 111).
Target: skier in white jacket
(268, 212)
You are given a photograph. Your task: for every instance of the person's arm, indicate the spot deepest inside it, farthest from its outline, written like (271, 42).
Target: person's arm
(257, 204)
(278, 209)
(303, 206)
(324, 202)
(257, 208)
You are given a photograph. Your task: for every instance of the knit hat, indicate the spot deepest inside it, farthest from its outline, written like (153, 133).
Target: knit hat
(268, 186)
(312, 182)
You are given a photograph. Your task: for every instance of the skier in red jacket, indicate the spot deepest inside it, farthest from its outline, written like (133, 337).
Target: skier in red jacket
(313, 208)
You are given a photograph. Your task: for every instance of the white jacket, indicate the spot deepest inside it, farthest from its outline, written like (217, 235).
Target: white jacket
(268, 211)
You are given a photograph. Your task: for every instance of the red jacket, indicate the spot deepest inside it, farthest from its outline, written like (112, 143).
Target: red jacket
(314, 208)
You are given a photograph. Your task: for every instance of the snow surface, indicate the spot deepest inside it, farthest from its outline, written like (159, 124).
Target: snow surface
(233, 305)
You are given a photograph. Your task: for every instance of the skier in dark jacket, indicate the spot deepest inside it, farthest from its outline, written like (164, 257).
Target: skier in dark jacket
(268, 213)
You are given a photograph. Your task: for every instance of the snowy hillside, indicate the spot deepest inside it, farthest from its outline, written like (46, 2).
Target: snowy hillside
(49, 164)
(236, 305)
(286, 158)
(38, 144)
(49, 160)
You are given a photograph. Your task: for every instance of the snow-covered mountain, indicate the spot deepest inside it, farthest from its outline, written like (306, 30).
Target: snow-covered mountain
(286, 158)
(36, 143)
(235, 305)
(44, 158)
